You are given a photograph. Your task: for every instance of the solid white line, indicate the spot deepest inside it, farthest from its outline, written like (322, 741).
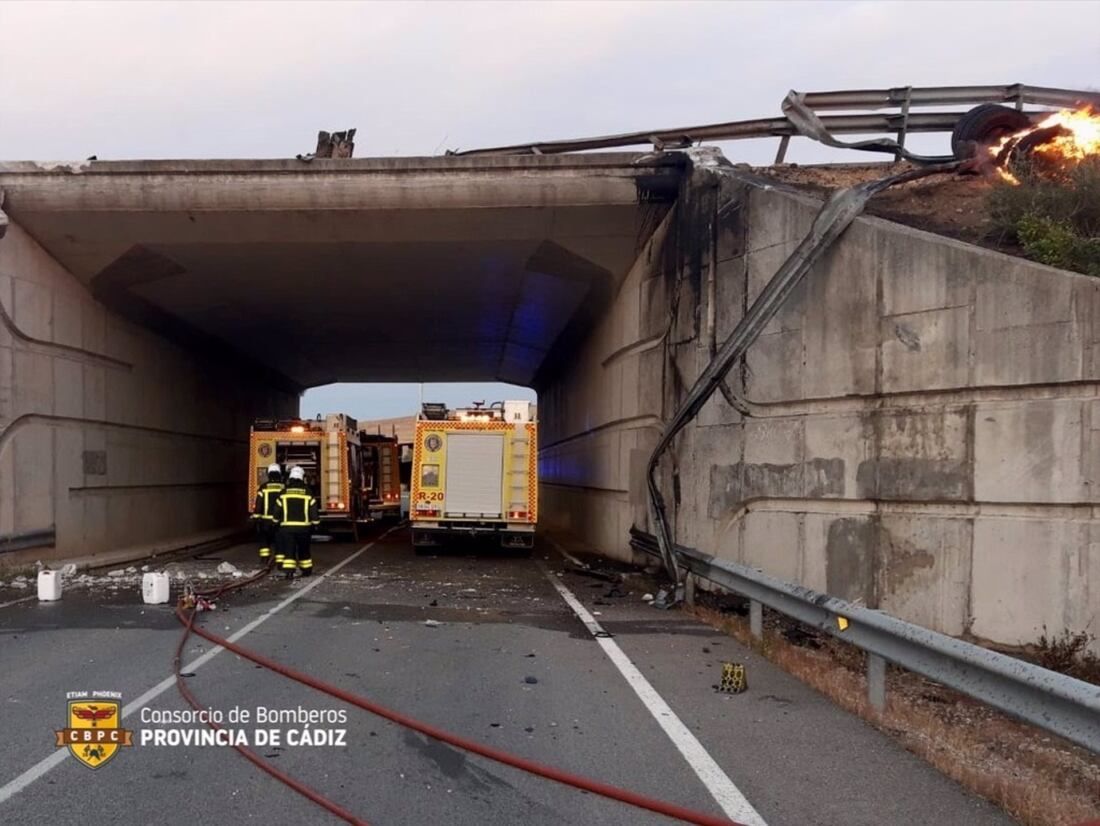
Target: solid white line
(43, 766)
(721, 788)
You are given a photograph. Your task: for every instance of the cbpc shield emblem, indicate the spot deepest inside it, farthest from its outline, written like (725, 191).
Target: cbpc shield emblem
(93, 735)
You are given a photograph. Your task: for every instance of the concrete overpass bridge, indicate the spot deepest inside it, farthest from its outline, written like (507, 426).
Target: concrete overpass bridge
(915, 430)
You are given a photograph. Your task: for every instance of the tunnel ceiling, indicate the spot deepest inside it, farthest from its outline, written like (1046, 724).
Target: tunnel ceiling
(442, 269)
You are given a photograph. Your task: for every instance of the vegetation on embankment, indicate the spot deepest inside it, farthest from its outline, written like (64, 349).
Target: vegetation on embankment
(1054, 220)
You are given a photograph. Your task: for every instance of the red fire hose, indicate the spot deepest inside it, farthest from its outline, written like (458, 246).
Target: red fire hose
(186, 617)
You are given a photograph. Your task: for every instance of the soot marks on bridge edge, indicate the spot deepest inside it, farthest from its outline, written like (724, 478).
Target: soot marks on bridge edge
(694, 238)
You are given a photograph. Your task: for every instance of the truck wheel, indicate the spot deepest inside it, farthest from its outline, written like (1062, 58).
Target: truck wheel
(983, 125)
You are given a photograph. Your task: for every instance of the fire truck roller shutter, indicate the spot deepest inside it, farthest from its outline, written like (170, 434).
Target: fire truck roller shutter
(474, 474)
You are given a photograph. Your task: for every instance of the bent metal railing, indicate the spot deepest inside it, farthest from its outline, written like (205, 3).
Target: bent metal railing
(899, 123)
(1061, 705)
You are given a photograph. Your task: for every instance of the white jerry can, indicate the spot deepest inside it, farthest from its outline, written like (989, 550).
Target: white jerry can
(49, 586)
(155, 587)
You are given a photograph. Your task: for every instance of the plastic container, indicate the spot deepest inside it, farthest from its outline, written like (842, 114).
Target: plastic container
(155, 587)
(49, 586)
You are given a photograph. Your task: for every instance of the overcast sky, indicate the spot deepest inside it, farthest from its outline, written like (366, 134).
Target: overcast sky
(215, 80)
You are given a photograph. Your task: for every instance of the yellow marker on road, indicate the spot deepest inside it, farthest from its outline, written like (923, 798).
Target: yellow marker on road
(733, 678)
(842, 623)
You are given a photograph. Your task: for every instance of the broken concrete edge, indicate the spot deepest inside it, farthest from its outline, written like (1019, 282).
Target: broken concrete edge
(196, 543)
(3, 216)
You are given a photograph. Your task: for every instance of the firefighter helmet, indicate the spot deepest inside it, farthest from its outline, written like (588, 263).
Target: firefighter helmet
(297, 473)
(274, 468)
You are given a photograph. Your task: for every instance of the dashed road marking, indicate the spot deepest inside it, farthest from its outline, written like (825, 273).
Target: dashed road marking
(721, 788)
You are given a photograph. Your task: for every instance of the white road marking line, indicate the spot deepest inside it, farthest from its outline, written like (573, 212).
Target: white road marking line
(43, 766)
(721, 788)
(17, 601)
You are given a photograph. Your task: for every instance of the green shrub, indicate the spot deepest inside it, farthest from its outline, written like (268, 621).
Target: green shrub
(1054, 218)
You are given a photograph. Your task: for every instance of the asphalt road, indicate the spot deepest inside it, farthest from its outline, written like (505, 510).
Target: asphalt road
(509, 664)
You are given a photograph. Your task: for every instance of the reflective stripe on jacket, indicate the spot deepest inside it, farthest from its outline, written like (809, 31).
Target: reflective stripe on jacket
(265, 500)
(296, 508)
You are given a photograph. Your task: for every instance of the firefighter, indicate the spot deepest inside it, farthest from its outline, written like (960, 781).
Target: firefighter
(296, 515)
(263, 514)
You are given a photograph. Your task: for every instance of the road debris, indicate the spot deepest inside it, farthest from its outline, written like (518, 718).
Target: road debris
(734, 680)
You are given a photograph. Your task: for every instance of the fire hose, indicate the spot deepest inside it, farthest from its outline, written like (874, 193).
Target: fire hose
(190, 605)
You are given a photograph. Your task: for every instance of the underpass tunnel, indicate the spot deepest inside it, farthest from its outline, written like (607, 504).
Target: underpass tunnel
(905, 432)
(152, 310)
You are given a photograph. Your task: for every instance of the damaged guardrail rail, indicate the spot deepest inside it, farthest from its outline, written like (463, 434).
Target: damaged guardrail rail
(800, 119)
(1054, 702)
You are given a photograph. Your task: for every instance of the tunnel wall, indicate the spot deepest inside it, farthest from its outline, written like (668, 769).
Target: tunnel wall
(111, 438)
(919, 431)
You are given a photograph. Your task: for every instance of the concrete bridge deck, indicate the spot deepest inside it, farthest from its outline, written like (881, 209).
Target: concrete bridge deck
(360, 270)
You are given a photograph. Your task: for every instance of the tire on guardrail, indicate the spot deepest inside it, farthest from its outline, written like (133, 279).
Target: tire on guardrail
(983, 125)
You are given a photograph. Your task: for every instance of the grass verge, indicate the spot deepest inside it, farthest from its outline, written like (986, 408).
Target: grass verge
(1038, 779)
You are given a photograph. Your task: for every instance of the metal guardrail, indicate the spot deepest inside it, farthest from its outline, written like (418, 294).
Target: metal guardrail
(900, 123)
(1054, 702)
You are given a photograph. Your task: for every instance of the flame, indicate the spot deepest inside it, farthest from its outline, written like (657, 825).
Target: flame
(1076, 136)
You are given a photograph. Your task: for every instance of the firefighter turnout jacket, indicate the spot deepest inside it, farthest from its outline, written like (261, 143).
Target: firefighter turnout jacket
(266, 498)
(296, 508)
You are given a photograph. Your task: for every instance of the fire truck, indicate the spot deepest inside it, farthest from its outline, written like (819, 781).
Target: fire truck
(330, 451)
(474, 473)
(381, 474)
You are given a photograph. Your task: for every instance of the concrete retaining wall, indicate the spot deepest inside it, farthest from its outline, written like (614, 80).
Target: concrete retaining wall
(109, 435)
(919, 426)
